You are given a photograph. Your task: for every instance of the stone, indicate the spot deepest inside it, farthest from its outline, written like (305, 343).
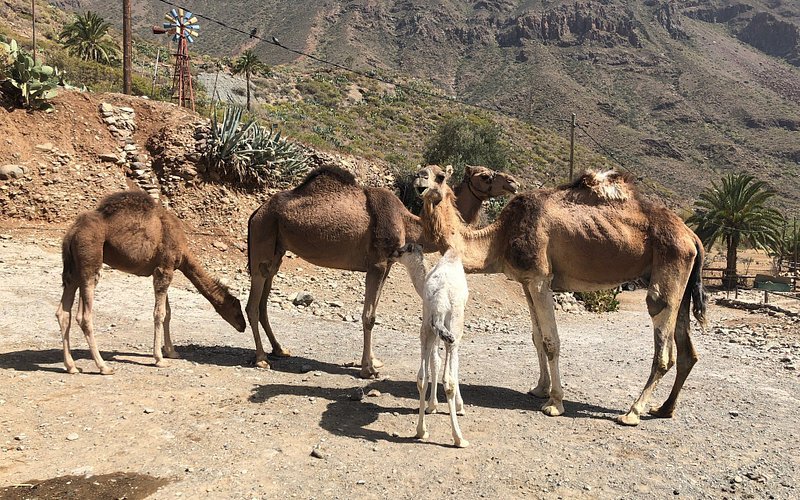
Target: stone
(11, 171)
(45, 146)
(106, 107)
(374, 393)
(110, 157)
(222, 247)
(130, 147)
(127, 110)
(149, 410)
(303, 298)
(72, 437)
(316, 453)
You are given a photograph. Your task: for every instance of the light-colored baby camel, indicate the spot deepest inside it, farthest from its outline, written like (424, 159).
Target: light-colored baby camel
(331, 221)
(132, 233)
(590, 235)
(444, 297)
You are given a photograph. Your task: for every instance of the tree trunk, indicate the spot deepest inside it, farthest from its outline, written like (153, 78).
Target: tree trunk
(247, 77)
(729, 279)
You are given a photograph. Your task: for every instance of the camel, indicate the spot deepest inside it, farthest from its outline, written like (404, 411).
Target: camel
(331, 221)
(592, 234)
(130, 232)
(444, 295)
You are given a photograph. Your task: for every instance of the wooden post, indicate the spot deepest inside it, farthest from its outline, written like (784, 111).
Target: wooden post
(126, 47)
(571, 148)
(33, 15)
(155, 72)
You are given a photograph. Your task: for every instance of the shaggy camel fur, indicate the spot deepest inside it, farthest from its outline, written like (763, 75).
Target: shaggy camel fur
(130, 232)
(590, 235)
(331, 221)
(444, 297)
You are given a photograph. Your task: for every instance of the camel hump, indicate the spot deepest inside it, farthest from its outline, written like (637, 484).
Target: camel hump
(126, 201)
(609, 185)
(328, 172)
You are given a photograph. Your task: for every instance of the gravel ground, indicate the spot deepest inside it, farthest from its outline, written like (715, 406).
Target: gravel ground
(211, 425)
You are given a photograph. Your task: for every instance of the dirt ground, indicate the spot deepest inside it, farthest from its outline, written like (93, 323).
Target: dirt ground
(210, 425)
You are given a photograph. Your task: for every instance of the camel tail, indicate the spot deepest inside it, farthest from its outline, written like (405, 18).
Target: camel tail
(249, 220)
(68, 260)
(695, 286)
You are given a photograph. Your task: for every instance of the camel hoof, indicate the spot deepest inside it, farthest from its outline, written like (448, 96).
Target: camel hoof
(461, 412)
(377, 363)
(461, 443)
(105, 370)
(552, 409)
(172, 355)
(162, 363)
(630, 419)
(661, 412)
(422, 435)
(367, 372)
(72, 370)
(280, 352)
(430, 410)
(539, 392)
(262, 363)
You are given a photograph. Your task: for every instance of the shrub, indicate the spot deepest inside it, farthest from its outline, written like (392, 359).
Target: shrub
(467, 141)
(251, 154)
(599, 301)
(27, 84)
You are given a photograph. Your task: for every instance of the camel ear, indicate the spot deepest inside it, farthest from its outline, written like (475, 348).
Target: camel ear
(448, 171)
(469, 170)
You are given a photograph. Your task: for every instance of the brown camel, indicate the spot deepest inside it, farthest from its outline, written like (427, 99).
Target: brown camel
(590, 235)
(131, 232)
(331, 221)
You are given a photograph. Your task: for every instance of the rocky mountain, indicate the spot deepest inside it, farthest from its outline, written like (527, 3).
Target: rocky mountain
(676, 91)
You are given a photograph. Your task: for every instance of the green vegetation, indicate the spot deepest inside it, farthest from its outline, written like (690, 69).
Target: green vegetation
(23, 82)
(736, 212)
(87, 38)
(250, 154)
(467, 140)
(248, 63)
(599, 301)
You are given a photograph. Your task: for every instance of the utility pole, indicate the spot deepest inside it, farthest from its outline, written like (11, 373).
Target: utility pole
(33, 16)
(794, 233)
(155, 72)
(571, 147)
(126, 46)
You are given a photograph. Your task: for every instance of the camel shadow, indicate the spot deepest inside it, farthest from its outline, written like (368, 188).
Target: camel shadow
(239, 356)
(351, 418)
(30, 360)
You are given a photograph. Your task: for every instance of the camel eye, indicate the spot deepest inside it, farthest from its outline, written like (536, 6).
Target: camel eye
(440, 178)
(486, 177)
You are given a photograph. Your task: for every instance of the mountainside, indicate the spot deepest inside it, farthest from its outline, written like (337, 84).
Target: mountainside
(678, 92)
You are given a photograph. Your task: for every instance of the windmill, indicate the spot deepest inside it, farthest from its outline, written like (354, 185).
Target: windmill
(183, 27)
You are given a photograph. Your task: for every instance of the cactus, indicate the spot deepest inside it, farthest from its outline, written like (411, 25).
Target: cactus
(28, 84)
(252, 154)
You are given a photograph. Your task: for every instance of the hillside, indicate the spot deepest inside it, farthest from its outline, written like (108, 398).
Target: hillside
(679, 92)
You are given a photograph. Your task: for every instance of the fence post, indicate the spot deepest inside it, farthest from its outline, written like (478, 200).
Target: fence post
(571, 148)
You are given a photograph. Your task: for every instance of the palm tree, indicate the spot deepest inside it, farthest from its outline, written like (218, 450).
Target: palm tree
(87, 37)
(248, 63)
(735, 212)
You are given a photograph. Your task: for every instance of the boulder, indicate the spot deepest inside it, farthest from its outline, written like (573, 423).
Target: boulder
(11, 171)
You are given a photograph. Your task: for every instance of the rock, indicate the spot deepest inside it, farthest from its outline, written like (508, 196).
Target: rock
(303, 298)
(11, 171)
(357, 395)
(335, 304)
(222, 247)
(374, 393)
(149, 410)
(106, 107)
(130, 147)
(46, 146)
(110, 157)
(127, 110)
(316, 453)
(20, 437)
(72, 437)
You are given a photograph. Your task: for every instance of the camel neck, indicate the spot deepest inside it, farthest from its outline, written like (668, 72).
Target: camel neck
(208, 287)
(468, 202)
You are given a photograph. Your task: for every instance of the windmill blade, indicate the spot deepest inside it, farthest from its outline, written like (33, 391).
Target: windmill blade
(193, 26)
(190, 38)
(192, 32)
(191, 20)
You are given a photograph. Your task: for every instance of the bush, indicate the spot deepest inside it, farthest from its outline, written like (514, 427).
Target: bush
(467, 141)
(27, 84)
(599, 301)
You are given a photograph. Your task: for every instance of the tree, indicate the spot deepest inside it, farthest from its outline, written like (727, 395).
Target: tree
(248, 63)
(87, 37)
(735, 212)
(467, 141)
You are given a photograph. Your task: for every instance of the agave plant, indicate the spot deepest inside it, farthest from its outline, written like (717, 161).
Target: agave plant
(251, 153)
(28, 84)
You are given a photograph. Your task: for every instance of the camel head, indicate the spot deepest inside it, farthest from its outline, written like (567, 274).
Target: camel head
(231, 311)
(486, 183)
(431, 181)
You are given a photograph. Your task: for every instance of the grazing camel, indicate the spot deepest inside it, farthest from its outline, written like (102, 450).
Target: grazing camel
(444, 297)
(131, 232)
(592, 234)
(331, 221)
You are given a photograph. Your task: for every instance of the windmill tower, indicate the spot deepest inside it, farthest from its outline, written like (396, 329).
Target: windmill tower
(183, 27)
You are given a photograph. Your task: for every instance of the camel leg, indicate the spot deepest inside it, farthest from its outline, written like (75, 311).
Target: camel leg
(541, 297)
(86, 321)
(451, 389)
(434, 367)
(161, 280)
(169, 349)
(64, 316)
(661, 304)
(277, 349)
(376, 277)
(427, 346)
(687, 357)
(257, 282)
(542, 388)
